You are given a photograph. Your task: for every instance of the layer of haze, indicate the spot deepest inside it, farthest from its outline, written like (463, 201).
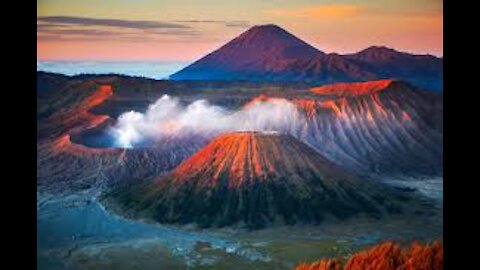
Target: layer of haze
(188, 29)
(167, 118)
(150, 69)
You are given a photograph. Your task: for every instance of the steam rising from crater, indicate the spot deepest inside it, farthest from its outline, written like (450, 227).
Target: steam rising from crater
(167, 118)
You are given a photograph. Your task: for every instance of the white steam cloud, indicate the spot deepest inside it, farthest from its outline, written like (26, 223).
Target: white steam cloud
(167, 118)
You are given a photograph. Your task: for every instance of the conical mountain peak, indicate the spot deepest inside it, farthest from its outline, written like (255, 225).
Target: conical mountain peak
(257, 52)
(269, 53)
(256, 179)
(270, 35)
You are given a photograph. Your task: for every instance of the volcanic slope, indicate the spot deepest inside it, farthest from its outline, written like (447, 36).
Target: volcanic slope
(378, 128)
(256, 179)
(384, 127)
(64, 118)
(270, 53)
(260, 53)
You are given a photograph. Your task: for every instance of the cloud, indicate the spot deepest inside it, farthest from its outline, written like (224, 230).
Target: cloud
(130, 24)
(318, 11)
(41, 26)
(87, 29)
(82, 29)
(167, 118)
(83, 32)
(200, 21)
(237, 24)
(101, 35)
(233, 23)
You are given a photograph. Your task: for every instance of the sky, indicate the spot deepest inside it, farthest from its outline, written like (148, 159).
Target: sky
(185, 30)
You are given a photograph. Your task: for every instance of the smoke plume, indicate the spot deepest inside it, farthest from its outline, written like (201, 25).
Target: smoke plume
(168, 118)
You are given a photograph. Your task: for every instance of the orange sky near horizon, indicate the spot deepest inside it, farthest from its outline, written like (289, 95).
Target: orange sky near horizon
(119, 30)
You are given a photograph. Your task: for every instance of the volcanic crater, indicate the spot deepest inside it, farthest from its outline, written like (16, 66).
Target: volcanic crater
(254, 180)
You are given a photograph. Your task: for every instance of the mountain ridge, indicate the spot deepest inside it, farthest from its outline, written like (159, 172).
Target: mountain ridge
(270, 53)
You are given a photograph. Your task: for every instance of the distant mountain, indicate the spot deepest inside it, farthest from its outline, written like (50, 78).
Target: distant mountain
(425, 71)
(259, 52)
(270, 53)
(256, 179)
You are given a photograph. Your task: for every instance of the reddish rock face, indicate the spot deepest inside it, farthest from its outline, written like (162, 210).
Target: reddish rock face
(234, 155)
(320, 265)
(63, 163)
(245, 158)
(257, 179)
(78, 118)
(387, 256)
(262, 98)
(387, 127)
(352, 89)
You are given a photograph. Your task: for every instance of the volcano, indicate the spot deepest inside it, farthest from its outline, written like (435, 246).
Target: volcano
(256, 179)
(383, 128)
(270, 53)
(263, 51)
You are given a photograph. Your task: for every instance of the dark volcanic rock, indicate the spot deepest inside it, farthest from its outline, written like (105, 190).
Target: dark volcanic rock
(256, 179)
(392, 128)
(269, 53)
(261, 53)
(425, 71)
(384, 128)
